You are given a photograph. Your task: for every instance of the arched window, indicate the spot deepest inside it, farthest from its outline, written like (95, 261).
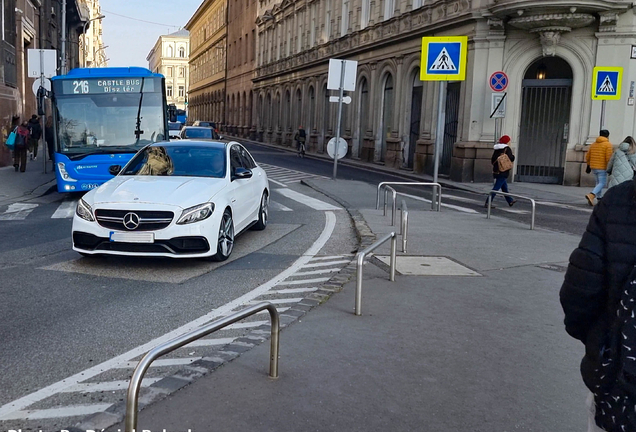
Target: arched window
(299, 108)
(387, 114)
(170, 51)
(182, 52)
(312, 109)
(288, 110)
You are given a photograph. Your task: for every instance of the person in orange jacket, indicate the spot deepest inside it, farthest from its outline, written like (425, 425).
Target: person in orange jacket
(597, 158)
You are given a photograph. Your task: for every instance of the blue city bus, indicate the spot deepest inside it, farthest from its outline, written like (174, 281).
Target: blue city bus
(101, 118)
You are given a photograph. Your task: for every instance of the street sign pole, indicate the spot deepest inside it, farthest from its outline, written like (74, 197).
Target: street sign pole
(341, 90)
(439, 135)
(603, 114)
(41, 100)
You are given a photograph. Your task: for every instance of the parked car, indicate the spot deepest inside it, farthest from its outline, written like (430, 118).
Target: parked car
(199, 133)
(174, 129)
(180, 199)
(204, 123)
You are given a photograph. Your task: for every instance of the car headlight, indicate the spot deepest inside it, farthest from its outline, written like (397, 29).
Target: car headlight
(84, 211)
(196, 213)
(65, 175)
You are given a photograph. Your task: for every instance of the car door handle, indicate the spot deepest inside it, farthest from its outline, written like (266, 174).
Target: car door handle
(233, 200)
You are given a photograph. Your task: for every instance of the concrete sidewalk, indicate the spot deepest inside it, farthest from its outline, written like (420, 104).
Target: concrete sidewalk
(544, 192)
(32, 183)
(430, 353)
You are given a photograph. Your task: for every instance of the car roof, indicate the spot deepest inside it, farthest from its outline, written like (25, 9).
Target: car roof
(197, 127)
(192, 143)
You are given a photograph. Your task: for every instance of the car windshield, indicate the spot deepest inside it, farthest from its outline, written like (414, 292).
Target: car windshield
(203, 133)
(87, 122)
(186, 161)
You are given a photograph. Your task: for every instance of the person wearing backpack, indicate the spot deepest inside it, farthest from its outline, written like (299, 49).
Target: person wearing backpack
(35, 133)
(598, 297)
(20, 147)
(502, 159)
(622, 163)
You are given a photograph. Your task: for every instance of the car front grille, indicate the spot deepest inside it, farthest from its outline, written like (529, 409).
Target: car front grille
(149, 220)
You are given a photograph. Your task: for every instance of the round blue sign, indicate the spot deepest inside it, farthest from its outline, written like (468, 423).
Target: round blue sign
(498, 81)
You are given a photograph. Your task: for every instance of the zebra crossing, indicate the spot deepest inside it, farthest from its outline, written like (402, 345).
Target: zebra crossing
(285, 176)
(97, 389)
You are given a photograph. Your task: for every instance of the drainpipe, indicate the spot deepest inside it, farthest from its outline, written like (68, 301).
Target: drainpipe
(63, 65)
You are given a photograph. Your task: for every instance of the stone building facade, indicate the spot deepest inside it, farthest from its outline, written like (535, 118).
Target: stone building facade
(208, 61)
(548, 49)
(170, 57)
(92, 43)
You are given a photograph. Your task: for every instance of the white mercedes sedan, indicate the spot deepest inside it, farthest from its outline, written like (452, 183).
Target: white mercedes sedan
(183, 199)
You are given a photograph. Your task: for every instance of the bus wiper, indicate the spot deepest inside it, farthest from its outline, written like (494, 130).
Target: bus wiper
(138, 131)
(103, 150)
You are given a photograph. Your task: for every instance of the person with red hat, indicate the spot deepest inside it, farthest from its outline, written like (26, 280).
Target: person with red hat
(502, 159)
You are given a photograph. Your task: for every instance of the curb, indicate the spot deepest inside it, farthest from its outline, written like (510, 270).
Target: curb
(200, 368)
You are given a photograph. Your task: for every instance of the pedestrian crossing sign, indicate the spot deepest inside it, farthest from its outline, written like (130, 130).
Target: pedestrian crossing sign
(606, 83)
(444, 58)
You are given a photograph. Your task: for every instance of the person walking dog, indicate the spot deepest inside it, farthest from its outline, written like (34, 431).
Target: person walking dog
(622, 164)
(597, 158)
(502, 159)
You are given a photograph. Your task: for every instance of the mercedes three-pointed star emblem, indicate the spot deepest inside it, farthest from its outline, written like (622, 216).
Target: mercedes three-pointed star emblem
(131, 221)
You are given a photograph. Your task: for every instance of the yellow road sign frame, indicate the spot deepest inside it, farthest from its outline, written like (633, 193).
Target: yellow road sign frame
(461, 68)
(595, 84)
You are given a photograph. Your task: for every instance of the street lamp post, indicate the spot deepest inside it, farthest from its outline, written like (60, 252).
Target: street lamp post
(84, 36)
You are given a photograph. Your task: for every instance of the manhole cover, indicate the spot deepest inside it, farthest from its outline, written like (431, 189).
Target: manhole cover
(428, 266)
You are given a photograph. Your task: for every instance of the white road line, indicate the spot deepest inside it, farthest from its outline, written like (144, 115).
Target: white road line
(246, 325)
(279, 301)
(159, 363)
(325, 264)
(307, 200)
(278, 206)
(305, 281)
(450, 206)
(106, 386)
(67, 411)
(291, 177)
(277, 182)
(293, 290)
(280, 310)
(315, 272)
(210, 342)
(10, 408)
(456, 198)
(565, 206)
(65, 210)
(322, 258)
(17, 211)
(514, 211)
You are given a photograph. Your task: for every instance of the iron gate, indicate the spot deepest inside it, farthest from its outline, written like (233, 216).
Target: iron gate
(545, 118)
(450, 128)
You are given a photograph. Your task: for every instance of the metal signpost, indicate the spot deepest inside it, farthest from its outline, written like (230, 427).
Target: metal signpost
(42, 64)
(342, 76)
(443, 60)
(498, 83)
(606, 85)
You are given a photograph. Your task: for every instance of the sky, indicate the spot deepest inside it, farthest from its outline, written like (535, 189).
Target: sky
(130, 41)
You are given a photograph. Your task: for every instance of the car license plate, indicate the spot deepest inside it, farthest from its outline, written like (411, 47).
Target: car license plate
(132, 237)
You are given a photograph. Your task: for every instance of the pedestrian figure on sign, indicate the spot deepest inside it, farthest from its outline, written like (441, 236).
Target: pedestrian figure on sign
(622, 164)
(599, 300)
(597, 158)
(35, 131)
(21, 146)
(300, 137)
(502, 159)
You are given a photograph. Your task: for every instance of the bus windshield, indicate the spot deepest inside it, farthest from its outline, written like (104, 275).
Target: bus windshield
(115, 121)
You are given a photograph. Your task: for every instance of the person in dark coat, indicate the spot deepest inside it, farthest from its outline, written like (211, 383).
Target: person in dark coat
(20, 147)
(598, 297)
(300, 137)
(501, 178)
(35, 133)
(49, 137)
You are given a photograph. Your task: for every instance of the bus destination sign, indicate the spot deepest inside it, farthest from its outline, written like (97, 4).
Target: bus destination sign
(107, 85)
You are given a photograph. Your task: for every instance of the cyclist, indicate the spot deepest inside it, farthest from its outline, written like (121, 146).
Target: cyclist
(300, 139)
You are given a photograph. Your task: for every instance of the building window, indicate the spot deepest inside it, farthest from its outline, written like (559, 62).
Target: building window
(312, 31)
(181, 72)
(170, 52)
(344, 23)
(418, 4)
(364, 13)
(389, 8)
(169, 71)
(169, 91)
(327, 31)
(182, 52)
(181, 91)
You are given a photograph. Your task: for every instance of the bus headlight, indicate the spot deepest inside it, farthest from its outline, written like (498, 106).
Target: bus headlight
(62, 169)
(84, 211)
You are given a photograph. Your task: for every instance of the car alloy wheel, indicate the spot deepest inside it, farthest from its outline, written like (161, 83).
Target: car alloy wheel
(263, 213)
(226, 237)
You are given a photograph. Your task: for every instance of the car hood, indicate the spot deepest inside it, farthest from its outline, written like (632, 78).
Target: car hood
(182, 192)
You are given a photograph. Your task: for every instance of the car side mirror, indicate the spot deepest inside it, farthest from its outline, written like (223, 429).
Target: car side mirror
(242, 173)
(220, 137)
(114, 169)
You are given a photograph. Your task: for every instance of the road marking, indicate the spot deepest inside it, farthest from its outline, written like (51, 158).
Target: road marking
(17, 211)
(514, 211)
(315, 272)
(65, 210)
(456, 198)
(210, 342)
(278, 206)
(107, 386)
(565, 206)
(67, 411)
(293, 290)
(11, 409)
(278, 301)
(450, 206)
(158, 363)
(246, 325)
(314, 203)
(325, 264)
(306, 281)
(281, 176)
(277, 182)
(322, 258)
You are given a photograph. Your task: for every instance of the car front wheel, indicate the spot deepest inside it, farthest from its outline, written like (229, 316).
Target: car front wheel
(225, 242)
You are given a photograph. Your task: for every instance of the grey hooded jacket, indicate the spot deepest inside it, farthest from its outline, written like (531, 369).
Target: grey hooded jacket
(621, 165)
